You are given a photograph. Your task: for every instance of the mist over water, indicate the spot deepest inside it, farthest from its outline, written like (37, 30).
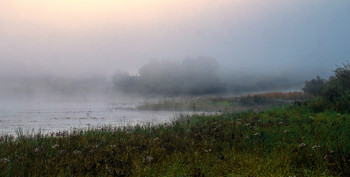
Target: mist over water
(65, 116)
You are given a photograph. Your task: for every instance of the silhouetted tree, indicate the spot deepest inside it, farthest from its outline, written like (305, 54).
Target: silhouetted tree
(190, 77)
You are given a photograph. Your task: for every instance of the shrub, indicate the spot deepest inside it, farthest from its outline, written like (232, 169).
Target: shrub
(314, 86)
(339, 84)
(318, 104)
(335, 92)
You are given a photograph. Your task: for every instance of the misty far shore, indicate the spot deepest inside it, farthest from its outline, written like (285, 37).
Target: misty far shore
(191, 77)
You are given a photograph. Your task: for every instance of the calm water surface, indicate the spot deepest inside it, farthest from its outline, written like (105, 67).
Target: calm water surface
(50, 117)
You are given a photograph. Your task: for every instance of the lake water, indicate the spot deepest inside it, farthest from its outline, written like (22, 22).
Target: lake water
(55, 117)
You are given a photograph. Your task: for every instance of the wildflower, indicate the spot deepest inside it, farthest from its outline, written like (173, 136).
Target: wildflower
(37, 150)
(167, 125)
(11, 137)
(280, 123)
(76, 152)
(302, 145)
(61, 151)
(257, 134)
(286, 131)
(148, 159)
(55, 146)
(113, 146)
(108, 168)
(157, 139)
(209, 150)
(63, 133)
(4, 160)
(316, 147)
(52, 134)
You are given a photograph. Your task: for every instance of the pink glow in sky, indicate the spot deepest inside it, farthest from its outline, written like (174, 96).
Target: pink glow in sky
(88, 37)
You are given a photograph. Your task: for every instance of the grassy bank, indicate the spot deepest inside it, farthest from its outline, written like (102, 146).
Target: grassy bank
(259, 102)
(280, 142)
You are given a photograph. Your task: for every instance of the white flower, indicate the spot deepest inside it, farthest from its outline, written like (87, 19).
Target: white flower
(316, 147)
(157, 139)
(55, 146)
(37, 150)
(209, 150)
(257, 134)
(4, 160)
(302, 145)
(76, 152)
(148, 159)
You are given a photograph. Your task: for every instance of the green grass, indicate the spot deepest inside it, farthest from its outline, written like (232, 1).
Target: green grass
(280, 142)
(215, 104)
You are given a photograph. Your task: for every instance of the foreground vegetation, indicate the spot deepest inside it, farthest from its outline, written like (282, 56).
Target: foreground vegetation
(294, 140)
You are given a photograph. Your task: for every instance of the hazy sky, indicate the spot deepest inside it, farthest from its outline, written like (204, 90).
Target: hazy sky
(78, 38)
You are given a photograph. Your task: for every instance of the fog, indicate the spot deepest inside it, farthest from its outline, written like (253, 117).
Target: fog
(82, 49)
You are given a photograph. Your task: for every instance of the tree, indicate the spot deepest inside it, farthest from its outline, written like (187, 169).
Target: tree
(338, 85)
(314, 86)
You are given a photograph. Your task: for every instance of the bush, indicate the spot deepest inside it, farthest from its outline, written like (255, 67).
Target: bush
(338, 85)
(335, 92)
(314, 86)
(318, 104)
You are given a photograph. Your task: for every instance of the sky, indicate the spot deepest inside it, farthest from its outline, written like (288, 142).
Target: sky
(83, 38)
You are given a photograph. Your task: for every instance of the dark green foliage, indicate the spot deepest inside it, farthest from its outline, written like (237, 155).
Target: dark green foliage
(314, 86)
(335, 92)
(338, 85)
(318, 104)
(281, 142)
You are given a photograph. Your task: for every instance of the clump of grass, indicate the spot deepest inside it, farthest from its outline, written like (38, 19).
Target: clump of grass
(261, 101)
(280, 142)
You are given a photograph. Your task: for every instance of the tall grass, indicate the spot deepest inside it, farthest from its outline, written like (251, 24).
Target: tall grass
(281, 142)
(261, 101)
